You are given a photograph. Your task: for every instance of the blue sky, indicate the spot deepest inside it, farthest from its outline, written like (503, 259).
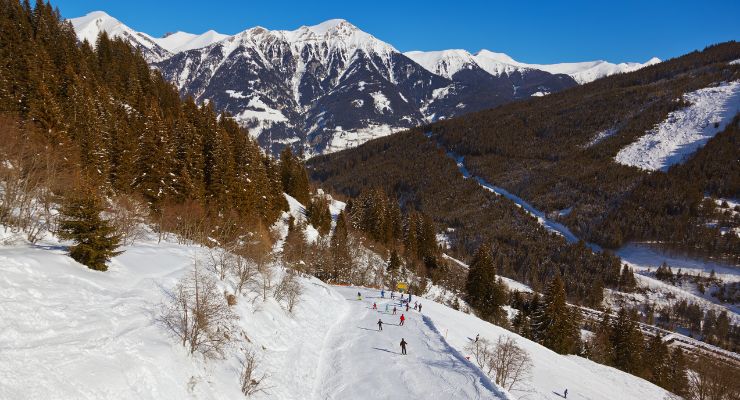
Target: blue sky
(529, 31)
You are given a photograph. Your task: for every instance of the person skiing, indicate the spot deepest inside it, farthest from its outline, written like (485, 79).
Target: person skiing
(407, 307)
(375, 306)
(382, 293)
(403, 346)
(380, 324)
(386, 307)
(476, 337)
(402, 319)
(359, 296)
(409, 295)
(566, 393)
(394, 310)
(393, 295)
(416, 306)
(419, 307)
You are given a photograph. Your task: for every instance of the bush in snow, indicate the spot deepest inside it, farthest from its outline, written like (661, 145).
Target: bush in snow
(289, 290)
(196, 312)
(251, 381)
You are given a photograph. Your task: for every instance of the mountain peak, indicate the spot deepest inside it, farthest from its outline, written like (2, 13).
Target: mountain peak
(331, 25)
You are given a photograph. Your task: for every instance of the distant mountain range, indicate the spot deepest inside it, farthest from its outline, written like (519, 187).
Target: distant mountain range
(331, 86)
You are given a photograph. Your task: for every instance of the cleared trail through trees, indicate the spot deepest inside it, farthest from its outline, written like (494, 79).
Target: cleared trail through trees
(362, 362)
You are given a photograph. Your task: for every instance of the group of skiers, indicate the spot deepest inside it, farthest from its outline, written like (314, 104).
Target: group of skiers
(402, 319)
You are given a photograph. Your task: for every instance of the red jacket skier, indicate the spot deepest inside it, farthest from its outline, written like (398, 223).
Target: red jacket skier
(402, 319)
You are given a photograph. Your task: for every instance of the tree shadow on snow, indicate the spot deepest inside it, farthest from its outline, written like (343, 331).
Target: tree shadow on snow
(50, 247)
(387, 351)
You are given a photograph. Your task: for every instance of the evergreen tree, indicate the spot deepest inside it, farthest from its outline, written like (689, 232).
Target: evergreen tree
(318, 214)
(339, 248)
(484, 292)
(676, 377)
(94, 239)
(627, 282)
(394, 263)
(628, 342)
(600, 347)
(293, 176)
(555, 326)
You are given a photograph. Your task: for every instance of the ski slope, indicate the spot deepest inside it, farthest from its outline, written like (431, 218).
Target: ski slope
(362, 362)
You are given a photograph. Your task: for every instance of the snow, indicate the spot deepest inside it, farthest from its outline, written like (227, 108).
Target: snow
(686, 130)
(344, 139)
(71, 332)
(735, 62)
(183, 41)
(540, 94)
(448, 62)
(236, 95)
(90, 26)
(382, 104)
(607, 133)
(445, 63)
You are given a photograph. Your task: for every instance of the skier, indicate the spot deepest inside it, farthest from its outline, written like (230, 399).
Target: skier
(375, 306)
(416, 306)
(407, 307)
(359, 296)
(566, 393)
(393, 295)
(386, 307)
(402, 319)
(380, 325)
(476, 337)
(403, 346)
(382, 293)
(419, 307)
(409, 295)
(394, 310)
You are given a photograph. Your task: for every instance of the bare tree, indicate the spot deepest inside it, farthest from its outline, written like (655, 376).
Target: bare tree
(510, 363)
(251, 381)
(504, 362)
(220, 261)
(289, 290)
(713, 380)
(245, 272)
(196, 312)
(127, 216)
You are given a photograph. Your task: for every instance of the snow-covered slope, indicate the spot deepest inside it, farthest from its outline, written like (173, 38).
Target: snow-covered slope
(183, 41)
(70, 332)
(91, 25)
(448, 62)
(685, 130)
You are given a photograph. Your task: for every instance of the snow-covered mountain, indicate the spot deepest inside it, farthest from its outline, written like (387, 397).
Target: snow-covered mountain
(449, 62)
(331, 86)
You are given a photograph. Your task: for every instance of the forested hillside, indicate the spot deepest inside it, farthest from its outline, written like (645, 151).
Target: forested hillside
(114, 124)
(549, 151)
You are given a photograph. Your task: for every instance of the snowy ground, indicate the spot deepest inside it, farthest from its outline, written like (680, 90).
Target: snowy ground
(70, 332)
(685, 130)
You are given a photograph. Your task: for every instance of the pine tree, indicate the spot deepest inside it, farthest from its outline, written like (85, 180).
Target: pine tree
(628, 342)
(555, 326)
(318, 214)
(676, 378)
(627, 282)
(394, 263)
(600, 347)
(339, 249)
(485, 293)
(94, 238)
